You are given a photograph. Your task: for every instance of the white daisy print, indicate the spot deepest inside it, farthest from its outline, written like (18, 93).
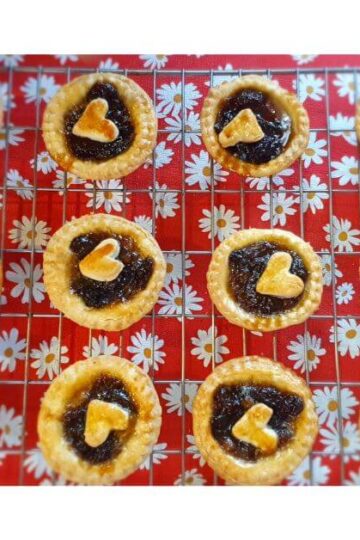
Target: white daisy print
(173, 397)
(13, 138)
(327, 404)
(146, 350)
(35, 463)
(22, 186)
(264, 181)
(154, 61)
(162, 155)
(344, 236)
(191, 478)
(48, 358)
(194, 451)
(29, 232)
(344, 293)
(302, 475)
(58, 481)
(199, 171)
(282, 206)
(348, 337)
(204, 346)
(108, 64)
(44, 163)
(99, 346)
(223, 221)
(165, 202)
(170, 98)
(171, 300)
(302, 59)
(145, 222)
(11, 60)
(315, 151)
(345, 83)
(346, 170)
(310, 87)
(66, 178)
(11, 349)
(21, 275)
(343, 126)
(326, 262)
(174, 268)
(45, 88)
(10, 427)
(191, 128)
(6, 99)
(65, 58)
(350, 441)
(354, 479)
(306, 351)
(109, 194)
(220, 78)
(313, 195)
(158, 456)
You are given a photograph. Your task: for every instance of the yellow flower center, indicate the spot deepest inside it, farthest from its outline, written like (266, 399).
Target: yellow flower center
(333, 405)
(8, 352)
(311, 355)
(306, 474)
(207, 171)
(279, 209)
(350, 334)
(327, 267)
(49, 358)
(189, 480)
(343, 236)
(345, 442)
(6, 430)
(178, 301)
(221, 223)
(208, 348)
(108, 195)
(309, 89)
(147, 353)
(42, 91)
(310, 196)
(177, 98)
(310, 152)
(161, 203)
(27, 282)
(169, 268)
(354, 170)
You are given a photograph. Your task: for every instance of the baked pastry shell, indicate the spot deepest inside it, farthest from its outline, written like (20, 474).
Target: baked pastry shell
(271, 469)
(142, 113)
(285, 100)
(59, 453)
(58, 261)
(218, 279)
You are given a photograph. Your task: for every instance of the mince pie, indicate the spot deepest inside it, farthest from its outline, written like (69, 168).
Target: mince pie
(100, 126)
(254, 421)
(99, 420)
(265, 279)
(253, 126)
(103, 271)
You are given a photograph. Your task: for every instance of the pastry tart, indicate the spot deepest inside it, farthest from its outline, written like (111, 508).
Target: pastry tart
(253, 126)
(265, 279)
(254, 421)
(103, 271)
(99, 420)
(100, 126)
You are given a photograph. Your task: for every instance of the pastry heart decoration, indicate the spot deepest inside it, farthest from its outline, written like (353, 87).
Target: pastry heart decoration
(244, 128)
(101, 263)
(252, 428)
(101, 418)
(93, 123)
(276, 280)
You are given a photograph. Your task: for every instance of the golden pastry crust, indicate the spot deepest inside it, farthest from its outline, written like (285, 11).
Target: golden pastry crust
(57, 273)
(270, 469)
(284, 99)
(58, 452)
(218, 278)
(142, 113)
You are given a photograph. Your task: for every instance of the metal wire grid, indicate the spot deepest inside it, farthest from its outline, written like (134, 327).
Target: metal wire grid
(31, 316)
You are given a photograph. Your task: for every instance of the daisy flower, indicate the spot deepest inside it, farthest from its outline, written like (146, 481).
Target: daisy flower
(302, 59)
(326, 262)
(58, 481)
(165, 202)
(350, 440)
(348, 337)
(162, 155)
(154, 61)
(302, 475)
(327, 404)
(310, 87)
(22, 186)
(203, 346)
(108, 194)
(44, 163)
(354, 479)
(346, 170)
(344, 293)
(199, 171)
(99, 346)
(264, 181)
(43, 89)
(170, 98)
(191, 478)
(343, 126)
(315, 151)
(11, 60)
(21, 275)
(6, 99)
(108, 64)
(10, 427)
(146, 350)
(174, 267)
(345, 83)
(194, 451)
(171, 300)
(64, 58)
(191, 128)
(220, 78)
(173, 397)
(306, 351)
(343, 236)
(145, 222)
(13, 137)
(11, 349)
(29, 232)
(224, 222)
(157, 456)
(313, 195)
(48, 358)
(282, 206)
(66, 178)
(35, 463)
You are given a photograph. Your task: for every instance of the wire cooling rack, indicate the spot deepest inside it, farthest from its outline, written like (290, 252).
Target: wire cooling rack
(34, 318)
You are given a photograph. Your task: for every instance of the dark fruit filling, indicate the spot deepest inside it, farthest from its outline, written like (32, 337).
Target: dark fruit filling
(232, 401)
(74, 420)
(132, 279)
(246, 265)
(87, 149)
(275, 125)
